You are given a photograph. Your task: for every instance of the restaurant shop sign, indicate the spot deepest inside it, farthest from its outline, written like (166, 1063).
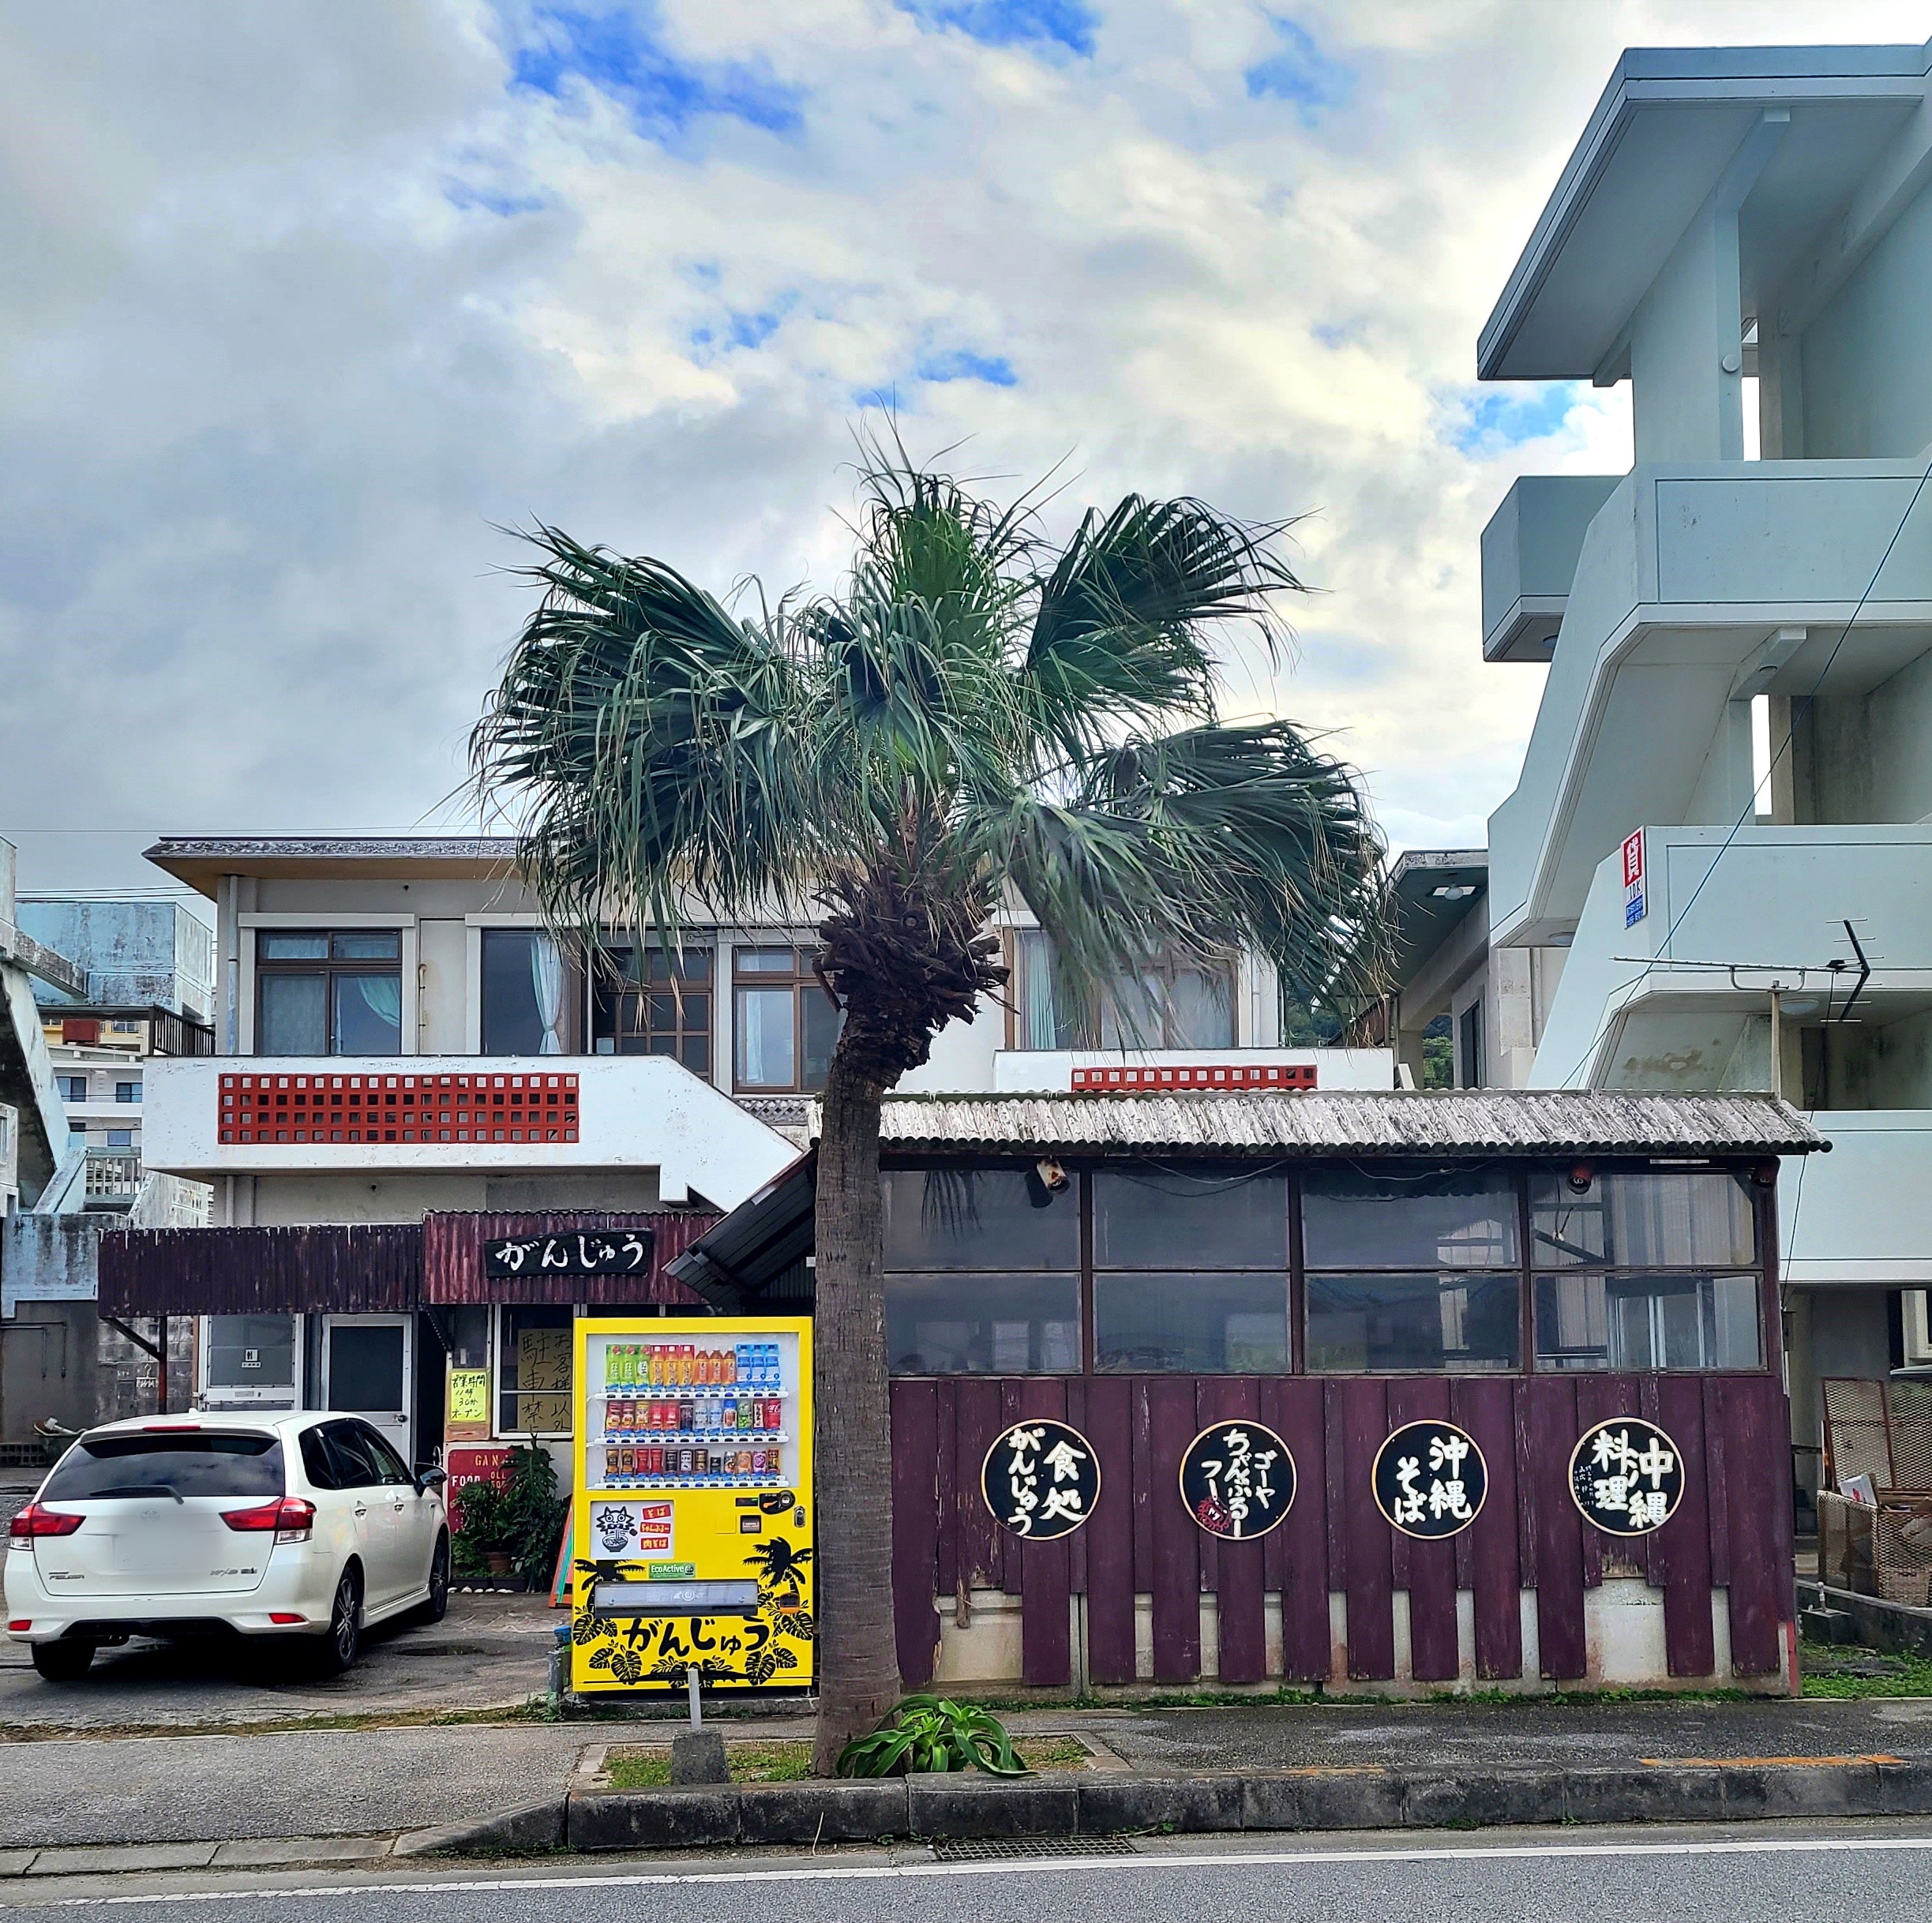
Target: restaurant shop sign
(611, 1252)
(1041, 1478)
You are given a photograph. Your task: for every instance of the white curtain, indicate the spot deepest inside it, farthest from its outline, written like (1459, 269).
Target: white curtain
(547, 978)
(1036, 992)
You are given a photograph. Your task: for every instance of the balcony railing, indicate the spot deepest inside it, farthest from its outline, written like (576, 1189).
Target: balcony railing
(113, 1178)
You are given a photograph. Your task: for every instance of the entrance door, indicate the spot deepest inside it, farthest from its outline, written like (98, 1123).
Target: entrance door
(366, 1371)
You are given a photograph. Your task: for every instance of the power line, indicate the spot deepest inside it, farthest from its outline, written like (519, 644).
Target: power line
(1750, 810)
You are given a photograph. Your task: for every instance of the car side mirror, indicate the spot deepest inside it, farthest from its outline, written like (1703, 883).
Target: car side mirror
(431, 1478)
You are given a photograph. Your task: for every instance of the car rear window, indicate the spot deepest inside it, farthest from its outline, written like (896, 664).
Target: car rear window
(197, 1464)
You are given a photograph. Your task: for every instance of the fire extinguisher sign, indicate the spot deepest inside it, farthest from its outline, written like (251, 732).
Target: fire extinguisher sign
(1635, 905)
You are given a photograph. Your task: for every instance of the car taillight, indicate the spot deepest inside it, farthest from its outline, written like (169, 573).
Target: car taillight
(290, 1518)
(33, 1521)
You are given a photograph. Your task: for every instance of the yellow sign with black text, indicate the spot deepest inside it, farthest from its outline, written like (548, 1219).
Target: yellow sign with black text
(693, 1490)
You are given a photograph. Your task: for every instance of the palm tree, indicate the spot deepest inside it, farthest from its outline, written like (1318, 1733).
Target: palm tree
(976, 716)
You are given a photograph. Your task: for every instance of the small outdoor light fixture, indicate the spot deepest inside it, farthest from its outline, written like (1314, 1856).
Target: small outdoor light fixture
(1044, 1180)
(1454, 891)
(1581, 1175)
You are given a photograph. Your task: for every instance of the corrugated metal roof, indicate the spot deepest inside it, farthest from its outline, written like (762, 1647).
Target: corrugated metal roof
(1352, 1122)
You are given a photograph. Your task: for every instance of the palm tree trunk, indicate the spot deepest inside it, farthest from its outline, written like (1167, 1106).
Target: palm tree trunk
(858, 1673)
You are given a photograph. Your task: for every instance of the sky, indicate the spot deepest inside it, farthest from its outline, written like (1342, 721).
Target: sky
(306, 305)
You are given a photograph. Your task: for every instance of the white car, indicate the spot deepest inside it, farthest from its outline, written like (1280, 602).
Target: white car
(306, 1525)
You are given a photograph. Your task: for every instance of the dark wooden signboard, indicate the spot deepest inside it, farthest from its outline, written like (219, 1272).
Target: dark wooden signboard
(1429, 1479)
(596, 1252)
(1040, 1479)
(1237, 1479)
(1626, 1476)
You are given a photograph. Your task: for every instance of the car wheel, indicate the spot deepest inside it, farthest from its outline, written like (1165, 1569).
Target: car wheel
(63, 1661)
(436, 1606)
(344, 1638)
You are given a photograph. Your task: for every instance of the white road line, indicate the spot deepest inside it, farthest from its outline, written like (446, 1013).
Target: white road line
(1028, 1866)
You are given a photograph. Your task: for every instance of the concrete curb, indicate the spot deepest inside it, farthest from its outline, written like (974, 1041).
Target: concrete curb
(539, 1825)
(1116, 1801)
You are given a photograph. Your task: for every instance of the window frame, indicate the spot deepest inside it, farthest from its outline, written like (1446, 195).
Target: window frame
(801, 981)
(501, 1355)
(614, 986)
(1521, 1173)
(1087, 1028)
(329, 966)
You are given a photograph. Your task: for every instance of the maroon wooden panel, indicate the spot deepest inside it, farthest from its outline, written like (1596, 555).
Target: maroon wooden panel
(1046, 1631)
(1143, 1486)
(1371, 1590)
(1177, 1583)
(1551, 1430)
(1011, 1408)
(1076, 1543)
(1756, 1433)
(1110, 1534)
(1680, 1561)
(1294, 1409)
(1275, 1544)
(982, 1550)
(1525, 1488)
(1714, 1484)
(1432, 1566)
(1243, 1619)
(1599, 1397)
(946, 1419)
(1335, 1459)
(915, 1527)
(349, 1270)
(1486, 1408)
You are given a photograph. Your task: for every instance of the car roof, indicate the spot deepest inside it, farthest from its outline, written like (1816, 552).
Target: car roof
(226, 1422)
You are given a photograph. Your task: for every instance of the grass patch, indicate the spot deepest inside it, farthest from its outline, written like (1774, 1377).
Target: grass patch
(1837, 1671)
(651, 1769)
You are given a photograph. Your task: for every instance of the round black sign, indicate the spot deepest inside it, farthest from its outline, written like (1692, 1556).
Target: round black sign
(1237, 1479)
(1040, 1478)
(1626, 1476)
(1429, 1479)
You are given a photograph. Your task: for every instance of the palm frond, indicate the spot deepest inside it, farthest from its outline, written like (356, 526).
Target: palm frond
(1121, 631)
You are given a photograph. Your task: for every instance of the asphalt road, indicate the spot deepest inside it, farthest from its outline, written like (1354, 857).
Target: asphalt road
(1846, 1874)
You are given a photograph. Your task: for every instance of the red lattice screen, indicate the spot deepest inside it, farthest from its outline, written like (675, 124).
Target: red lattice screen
(398, 1108)
(1140, 1081)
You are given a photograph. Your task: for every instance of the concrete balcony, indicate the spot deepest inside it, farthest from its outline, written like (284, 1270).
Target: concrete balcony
(1695, 589)
(206, 1117)
(1530, 550)
(1681, 997)
(1860, 1217)
(1028, 1071)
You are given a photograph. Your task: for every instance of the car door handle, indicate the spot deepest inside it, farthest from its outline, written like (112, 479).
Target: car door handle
(361, 1508)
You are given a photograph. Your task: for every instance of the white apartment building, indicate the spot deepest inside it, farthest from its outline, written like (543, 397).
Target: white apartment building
(1716, 869)
(407, 1068)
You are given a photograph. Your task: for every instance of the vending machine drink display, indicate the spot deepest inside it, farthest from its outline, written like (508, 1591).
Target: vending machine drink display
(693, 1536)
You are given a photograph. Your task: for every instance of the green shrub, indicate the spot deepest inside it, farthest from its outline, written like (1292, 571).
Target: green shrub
(928, 1734)
(521, 1517)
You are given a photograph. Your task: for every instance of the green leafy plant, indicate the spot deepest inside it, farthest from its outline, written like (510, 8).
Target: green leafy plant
(927, 1734)
(522, 1517)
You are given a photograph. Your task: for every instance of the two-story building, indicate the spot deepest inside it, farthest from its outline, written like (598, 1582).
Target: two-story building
(1716, 870)
(410, 1073)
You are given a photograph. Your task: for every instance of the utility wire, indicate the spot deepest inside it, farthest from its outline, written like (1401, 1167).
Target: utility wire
(1801, 708)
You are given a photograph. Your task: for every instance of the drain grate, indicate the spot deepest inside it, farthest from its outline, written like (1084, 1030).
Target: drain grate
(983, 1848)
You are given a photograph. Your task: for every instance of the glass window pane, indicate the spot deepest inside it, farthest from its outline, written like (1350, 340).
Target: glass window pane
(1151, 1218)
(534, 1370)
(1431, 1219)
(1203, 1324)
(251, 1351)
(365, 1367)
(1043, 1021)
(695, 1052)
(368, 1015)
(1587, 1320)
(276, 945)
(1360, 1324)
(824, 1020)
(512, 1024)
(1654, 1219)
(978, 1218)
(763, 1041)
(377, 945)
(983, 1324)
(295, 1015)
(1202, 1012)
(136, 1466)
(1131, 1015)
(766, 962)
(468, 1330)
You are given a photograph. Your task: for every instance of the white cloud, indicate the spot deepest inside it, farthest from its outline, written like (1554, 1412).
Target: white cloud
(320, 296)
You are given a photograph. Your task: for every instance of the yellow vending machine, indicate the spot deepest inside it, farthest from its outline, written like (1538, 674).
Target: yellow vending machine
(693, 1493)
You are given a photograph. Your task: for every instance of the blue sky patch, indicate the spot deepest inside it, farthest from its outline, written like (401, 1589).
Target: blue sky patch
(962, 364)
(1009, 23)
(1300, 72)
(1494, 419)
(462, 195)
(621, 51)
